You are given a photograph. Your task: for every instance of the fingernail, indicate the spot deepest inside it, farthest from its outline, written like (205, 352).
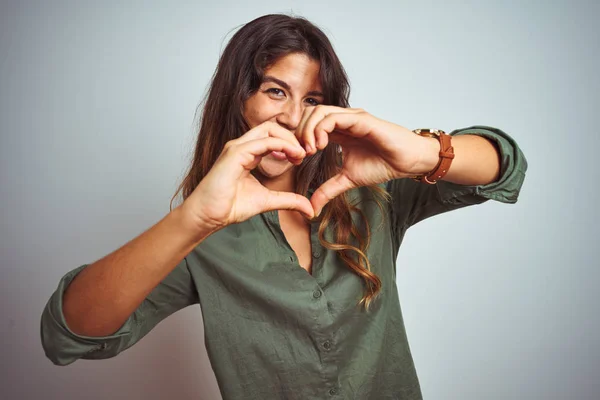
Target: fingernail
(308, 148)
(318, 213)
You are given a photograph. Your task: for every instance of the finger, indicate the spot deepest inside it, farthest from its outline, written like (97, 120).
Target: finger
(354, 124)
(317, 138)
(268, 129)
(250, 153)
(289, 201)
(307, 133)
(342, 139)
(321, 139)
(308, 146)
(329, 190)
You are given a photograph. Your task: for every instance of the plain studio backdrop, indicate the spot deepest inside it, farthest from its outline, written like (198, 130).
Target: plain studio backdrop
(97, 104)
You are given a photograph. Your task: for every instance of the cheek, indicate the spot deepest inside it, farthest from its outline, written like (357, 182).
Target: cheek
(258, 111)
(253, 117)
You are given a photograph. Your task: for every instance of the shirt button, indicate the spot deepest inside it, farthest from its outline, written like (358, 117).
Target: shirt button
(316, 254)
(317, 294)
(327, 345)
(333, 391)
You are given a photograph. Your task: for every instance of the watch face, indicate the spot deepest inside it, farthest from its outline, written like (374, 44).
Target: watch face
(428, 132)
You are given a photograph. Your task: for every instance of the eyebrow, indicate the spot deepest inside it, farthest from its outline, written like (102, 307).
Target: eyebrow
(287, 87)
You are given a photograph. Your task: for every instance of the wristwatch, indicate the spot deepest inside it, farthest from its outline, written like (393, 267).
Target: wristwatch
(446, 155)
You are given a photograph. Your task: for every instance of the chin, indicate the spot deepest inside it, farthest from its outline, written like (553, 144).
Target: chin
(271, 168)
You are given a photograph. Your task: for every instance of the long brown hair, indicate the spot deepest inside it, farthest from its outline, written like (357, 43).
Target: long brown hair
(251, 50)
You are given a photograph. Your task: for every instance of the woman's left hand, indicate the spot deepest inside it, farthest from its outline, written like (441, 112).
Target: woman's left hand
(375, 150)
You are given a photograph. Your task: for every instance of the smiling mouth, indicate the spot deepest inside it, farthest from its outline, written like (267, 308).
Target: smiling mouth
(278, 155)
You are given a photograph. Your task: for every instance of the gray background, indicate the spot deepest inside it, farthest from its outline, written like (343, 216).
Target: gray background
(97, 125)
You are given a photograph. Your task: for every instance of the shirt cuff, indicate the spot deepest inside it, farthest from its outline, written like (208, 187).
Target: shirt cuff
(61, 345)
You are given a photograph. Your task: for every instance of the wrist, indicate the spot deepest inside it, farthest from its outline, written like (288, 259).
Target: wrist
(193, 225)
(429, 156)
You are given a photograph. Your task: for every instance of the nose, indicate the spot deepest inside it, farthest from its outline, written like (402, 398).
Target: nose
(291, 115)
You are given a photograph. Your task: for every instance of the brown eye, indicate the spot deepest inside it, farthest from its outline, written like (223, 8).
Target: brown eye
(275, 91)
(312, 102)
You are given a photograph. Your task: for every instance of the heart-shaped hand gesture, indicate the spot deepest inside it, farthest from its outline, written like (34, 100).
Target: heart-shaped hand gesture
(374, 150)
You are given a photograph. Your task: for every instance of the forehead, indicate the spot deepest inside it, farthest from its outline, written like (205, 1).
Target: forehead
(297, 70)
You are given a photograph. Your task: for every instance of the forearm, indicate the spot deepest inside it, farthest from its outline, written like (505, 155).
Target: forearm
(476, 160)
(107, 292)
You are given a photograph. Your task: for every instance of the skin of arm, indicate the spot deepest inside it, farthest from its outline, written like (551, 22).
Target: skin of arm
(104, 294)
(476, 160)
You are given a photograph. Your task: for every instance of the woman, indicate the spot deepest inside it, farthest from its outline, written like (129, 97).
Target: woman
(294, 209)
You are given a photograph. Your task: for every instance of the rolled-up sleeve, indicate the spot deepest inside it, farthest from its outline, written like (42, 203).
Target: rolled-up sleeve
(414, 201)
(62, 346)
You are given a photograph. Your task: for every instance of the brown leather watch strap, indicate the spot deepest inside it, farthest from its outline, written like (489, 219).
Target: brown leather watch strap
(446, 157)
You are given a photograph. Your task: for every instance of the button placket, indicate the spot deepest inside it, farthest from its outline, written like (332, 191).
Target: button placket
(324, 337)
(317, 250)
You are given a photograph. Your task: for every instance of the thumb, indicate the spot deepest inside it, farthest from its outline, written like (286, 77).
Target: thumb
(329, 190)
(289, 201)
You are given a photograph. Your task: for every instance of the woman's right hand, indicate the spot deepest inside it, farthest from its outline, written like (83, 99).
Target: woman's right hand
(229, 193)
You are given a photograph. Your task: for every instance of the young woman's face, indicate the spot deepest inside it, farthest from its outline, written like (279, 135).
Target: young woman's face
(289, 86)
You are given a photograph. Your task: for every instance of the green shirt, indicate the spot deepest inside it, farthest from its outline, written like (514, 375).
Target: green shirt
(274, 331)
